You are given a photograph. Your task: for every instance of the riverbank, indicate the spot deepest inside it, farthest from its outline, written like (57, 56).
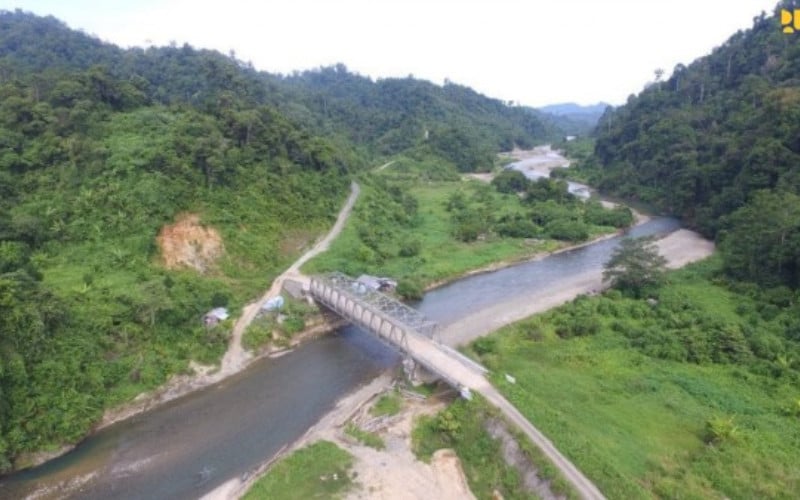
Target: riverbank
(181, 385)
(639, 218)
(632, 389)
(680, 248)
(234, 360)
(237, 358)
(206, 375)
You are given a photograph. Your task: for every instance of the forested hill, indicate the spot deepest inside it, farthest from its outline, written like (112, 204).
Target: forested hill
(395, 114)
(102, 150)
(718, 143)
(92, 169)
(385, 117)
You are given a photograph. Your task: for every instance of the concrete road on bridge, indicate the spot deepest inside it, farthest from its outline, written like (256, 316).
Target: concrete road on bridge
(375, 312)
(457, 372)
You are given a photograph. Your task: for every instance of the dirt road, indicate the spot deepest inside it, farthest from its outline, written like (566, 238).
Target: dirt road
(236, 357)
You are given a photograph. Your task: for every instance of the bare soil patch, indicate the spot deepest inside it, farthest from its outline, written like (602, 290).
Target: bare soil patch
(395, 472)
(186, 243)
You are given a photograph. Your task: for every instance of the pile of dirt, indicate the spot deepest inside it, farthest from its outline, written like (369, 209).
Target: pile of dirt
(395, 472)
(186, 243)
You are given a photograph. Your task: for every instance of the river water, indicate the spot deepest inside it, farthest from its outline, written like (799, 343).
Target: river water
(193, 444)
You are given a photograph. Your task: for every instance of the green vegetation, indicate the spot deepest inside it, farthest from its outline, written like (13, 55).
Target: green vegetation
(91, 316)
(420, 223)
(580, 152)
(401, 115)
(364, 437)
(691, 396)
(101, 147)
(280, 325)
(716, 143)
(317, 471)
(462, 427)
(635, 266)
(259, 333)
(388, 404)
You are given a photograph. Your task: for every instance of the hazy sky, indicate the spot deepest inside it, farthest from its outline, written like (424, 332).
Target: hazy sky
(534, 52)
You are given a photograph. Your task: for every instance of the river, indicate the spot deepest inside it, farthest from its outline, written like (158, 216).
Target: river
(193, 444)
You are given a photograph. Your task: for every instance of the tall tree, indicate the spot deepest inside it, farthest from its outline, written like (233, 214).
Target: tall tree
(635, 266)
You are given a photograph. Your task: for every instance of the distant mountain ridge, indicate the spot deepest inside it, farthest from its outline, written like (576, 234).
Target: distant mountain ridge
(571, 108)
(574, 119)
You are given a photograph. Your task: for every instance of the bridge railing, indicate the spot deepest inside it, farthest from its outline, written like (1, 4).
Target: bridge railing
(377, 301)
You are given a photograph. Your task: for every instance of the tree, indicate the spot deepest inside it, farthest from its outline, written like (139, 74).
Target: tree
(510, 181)
(763, 242)
(635, 265)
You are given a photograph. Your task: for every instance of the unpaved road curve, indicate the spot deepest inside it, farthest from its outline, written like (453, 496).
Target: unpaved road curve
(236, 357)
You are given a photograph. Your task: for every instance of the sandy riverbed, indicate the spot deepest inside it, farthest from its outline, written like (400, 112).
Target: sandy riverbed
(395, 472)
(391, 473)
(679, 248)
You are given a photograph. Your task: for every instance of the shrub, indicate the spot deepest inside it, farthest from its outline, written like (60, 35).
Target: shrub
(410, 290)
(510, 181)
(485, 345)
(517, 227)
(410, 248)
(388, 404)
(366, 438)
(567, 230)
(720, 429)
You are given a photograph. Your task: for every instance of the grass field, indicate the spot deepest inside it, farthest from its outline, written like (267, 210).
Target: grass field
(438, 255)
(317, 471)
(636, 419)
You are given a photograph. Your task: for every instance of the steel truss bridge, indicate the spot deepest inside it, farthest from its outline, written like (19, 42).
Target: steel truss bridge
(417, 337)
(395, 323)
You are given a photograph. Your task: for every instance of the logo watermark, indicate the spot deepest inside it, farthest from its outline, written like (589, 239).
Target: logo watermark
(790, 20)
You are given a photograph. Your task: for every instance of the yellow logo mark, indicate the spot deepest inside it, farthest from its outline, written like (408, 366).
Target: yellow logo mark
(790, 20)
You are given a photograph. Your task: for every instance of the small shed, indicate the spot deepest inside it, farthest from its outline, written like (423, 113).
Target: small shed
(215, 315)
(273, 304)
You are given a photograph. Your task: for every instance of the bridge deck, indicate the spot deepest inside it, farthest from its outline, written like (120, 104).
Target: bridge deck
(414, 334)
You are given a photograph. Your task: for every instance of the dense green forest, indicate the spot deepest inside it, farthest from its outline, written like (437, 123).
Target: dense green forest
(101, 147)
(383, 117)
(718, 143)
(394, 115)
(90, 171)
